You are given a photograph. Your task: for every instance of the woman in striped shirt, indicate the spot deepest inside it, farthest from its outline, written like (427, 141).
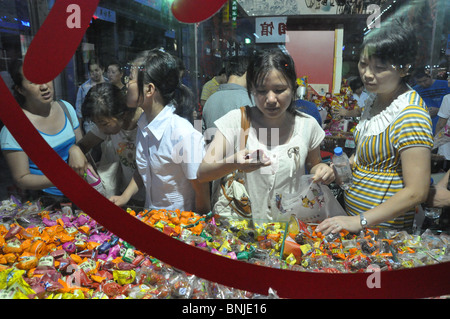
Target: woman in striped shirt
(391, 167)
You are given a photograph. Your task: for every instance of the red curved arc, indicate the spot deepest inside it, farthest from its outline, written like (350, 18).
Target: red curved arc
(194, 11)
(55, 43)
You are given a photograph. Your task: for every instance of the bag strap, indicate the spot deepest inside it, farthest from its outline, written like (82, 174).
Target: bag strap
(88, 155)
(245, 125)
(66, 111)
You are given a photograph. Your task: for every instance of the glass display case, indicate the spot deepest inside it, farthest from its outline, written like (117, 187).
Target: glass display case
(324, 39)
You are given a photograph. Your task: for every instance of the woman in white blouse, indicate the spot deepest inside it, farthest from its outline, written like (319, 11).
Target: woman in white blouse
(290, 140)
(169, 149)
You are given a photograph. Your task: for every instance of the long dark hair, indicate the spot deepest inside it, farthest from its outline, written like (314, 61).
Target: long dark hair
(263, 62)
(161, 69)
(17, 77)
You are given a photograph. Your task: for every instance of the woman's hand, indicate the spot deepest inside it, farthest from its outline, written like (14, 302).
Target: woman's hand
(77, 160)
(120, 200)
(132, 188)
(338, 223)
(439, 195)
(249, 161)
(323, 173)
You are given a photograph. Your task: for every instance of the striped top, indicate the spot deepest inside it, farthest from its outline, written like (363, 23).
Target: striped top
(377, 174)
(209, 88)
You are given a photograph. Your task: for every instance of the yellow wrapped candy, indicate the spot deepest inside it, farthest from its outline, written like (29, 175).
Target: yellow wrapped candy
(13, 285)
(123, 277)
(225, 247)
(291, 260)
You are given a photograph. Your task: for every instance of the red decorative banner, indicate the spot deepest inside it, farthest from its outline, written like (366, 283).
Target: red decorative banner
(57, 39)
(418, 282)
(193, 11)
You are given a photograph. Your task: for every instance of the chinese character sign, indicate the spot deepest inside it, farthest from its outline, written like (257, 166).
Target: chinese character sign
(270, 29)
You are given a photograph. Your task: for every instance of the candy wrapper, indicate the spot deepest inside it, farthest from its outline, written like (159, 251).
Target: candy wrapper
(339, 252)
(442, 137)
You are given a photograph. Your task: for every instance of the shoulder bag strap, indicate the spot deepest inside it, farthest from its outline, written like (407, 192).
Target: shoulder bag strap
(66, 111)
(245, 125)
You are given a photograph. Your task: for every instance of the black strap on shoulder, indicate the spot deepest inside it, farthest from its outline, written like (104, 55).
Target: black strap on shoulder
(66, 111)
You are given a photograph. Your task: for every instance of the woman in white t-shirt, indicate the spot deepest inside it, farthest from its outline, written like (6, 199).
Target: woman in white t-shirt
(169, 149)
(290, 140)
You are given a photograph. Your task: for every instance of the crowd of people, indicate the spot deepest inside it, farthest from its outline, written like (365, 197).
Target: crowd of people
(144, 121)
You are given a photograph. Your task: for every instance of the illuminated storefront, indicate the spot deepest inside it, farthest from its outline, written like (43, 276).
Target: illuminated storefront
(120, 29)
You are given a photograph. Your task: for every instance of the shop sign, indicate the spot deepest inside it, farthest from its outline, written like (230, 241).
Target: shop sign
(234, 13)
(105, 14)
(155, 4)
(226, 12)
(270, 30)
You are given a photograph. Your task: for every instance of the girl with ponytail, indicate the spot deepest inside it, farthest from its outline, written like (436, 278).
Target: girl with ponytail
(169, 149)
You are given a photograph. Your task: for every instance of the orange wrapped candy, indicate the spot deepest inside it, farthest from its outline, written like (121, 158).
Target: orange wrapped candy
(12, 246)
(10, 258)
(27, 262)
(38, 248)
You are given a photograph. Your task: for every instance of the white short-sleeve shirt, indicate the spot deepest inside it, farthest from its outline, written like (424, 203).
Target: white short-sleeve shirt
(169, 151)
(288, 162)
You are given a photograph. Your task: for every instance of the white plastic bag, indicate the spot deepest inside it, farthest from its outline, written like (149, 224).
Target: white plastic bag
(315, 202)
(442, 137)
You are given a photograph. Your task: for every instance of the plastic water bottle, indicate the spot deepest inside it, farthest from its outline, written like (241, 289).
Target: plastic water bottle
(95, 182)
(343, 168)
(419, 217)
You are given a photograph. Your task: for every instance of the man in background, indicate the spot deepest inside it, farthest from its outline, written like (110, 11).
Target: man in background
(229, 96)
(95, 76)
(432, 92)
(212, 86)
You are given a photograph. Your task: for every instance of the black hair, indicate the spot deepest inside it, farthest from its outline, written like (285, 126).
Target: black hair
(221, 71)
(181, 66)
(17, 77)
(237, 65)
(263, 62)
(105, 100)
(116, 63)
(394, 42)
(94, 61)
(421, 72)
(161, 69)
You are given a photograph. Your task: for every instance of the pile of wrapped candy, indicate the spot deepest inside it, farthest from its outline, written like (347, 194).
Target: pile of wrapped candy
(332, 103)
(346, 252)
(64, 254)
